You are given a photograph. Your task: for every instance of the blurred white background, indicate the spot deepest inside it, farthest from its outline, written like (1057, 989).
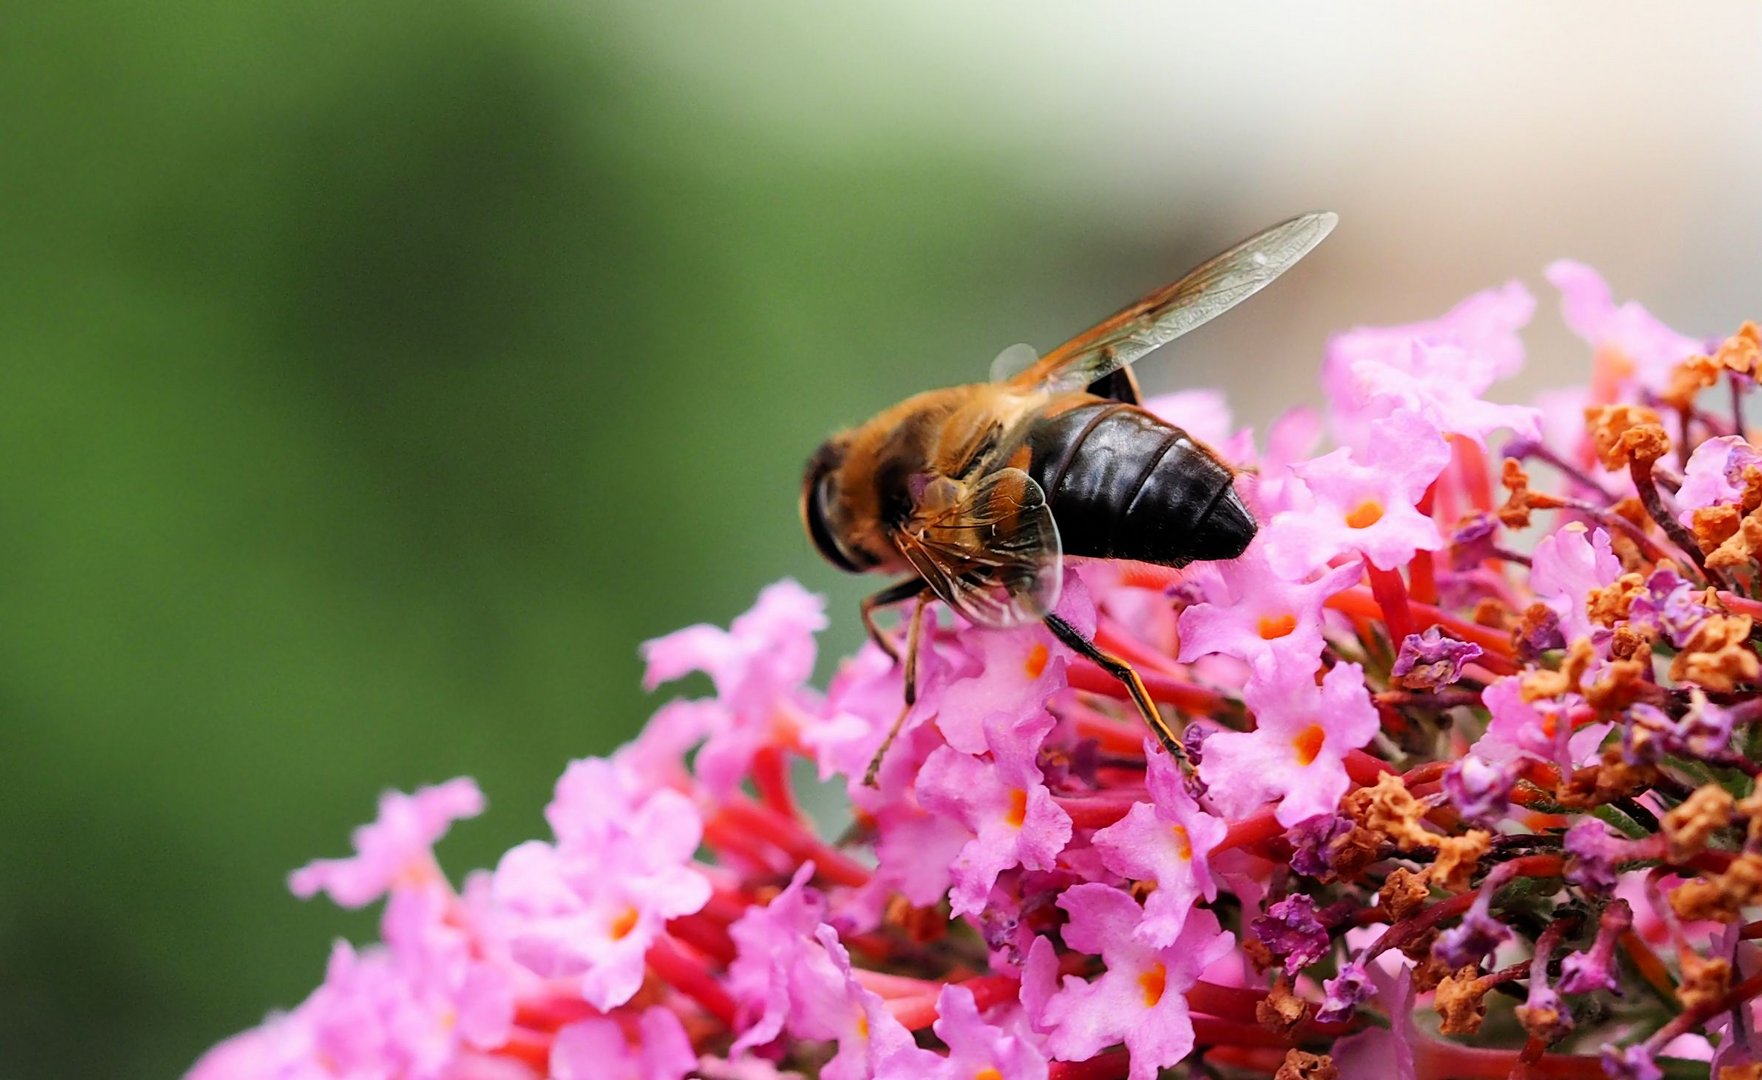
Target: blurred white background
(1462, 145)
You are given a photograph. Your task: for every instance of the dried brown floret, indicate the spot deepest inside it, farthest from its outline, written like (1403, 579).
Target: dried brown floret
(1688, 379)
(1688, 827)
(1704, 980)
(1630, 641)
(1620, 684)
(1388, 809)
(1626, 432)
(1544, 684)
(1281, 1011)
(1720, 897)
(1742, 351)
(1714, 525)
(1403, 893)
(1458, 858)
(1461, 1002)
(1605, 782)
(1302, 1065)
(1751, 1071)
(1742, 546)
(1718, 655)
(1515, 513)
(1543, 1023)
(1611, 604)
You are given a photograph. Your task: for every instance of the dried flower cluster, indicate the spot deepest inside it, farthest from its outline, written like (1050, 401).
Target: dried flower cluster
(1473, 793)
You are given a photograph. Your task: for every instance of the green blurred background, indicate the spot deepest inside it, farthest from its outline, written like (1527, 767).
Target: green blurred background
(379, 375)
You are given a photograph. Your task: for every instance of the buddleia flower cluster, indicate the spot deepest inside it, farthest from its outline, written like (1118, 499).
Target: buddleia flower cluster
(1472, 739)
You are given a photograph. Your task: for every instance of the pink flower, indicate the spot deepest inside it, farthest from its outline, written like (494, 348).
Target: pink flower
(1437, 370)
(1165, 841)
(591, 905)
(1567, 566)
(1628, 329)
(1139, 999)
(653, 1047)
(1362, 505)
(1003, 803)
(1297, 751)
(1251, 614)
(1715, 474)
(398, 848)
(758, 666)
(977, 1049)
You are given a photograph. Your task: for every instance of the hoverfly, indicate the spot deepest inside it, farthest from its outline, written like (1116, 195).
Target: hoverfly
(978, 492)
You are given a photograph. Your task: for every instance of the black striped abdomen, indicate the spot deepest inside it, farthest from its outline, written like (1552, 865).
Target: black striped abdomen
(1124, 485)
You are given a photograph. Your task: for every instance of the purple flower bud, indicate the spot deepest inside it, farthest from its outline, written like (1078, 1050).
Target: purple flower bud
(1594, 969)
(1430, 660)
(1706, 729)
(1480, 789)
(1668, 605)
(1630, 1063)
(1646, 735)
(1312, 842)
(1472, 940)
(1472, 543)
(1596, 851)
(1540, 638)
(1345, 992)
(1290, 929)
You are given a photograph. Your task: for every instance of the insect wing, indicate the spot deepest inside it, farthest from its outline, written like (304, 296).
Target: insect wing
(1203, 294)
(992, 553)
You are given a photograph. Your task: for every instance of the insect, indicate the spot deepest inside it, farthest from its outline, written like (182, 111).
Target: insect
(978, 492)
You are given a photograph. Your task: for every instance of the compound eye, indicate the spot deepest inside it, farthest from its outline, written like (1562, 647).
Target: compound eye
(819, 497)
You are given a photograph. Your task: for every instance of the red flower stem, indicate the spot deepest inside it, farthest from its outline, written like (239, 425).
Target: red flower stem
(1210, 1031)
(551, 1013)
(1114, 736)
(1471, 469)
(771, 779)
(894, 986)
(919, 1012)
(1227, 1002)
(1085, 676)
(1438, 1060)
(1109, 1066)
(528, 1047)
(1391, 595)
(1250, 831)
(1364, 769)
(1690, 1019)
(1740, 605)
(1422, 571)
(689, 978)
(1133, 651)
(1259, 1059)
(791, 837)
(1094, 812)
(706, 935)
(728, 841)
(1497, 643)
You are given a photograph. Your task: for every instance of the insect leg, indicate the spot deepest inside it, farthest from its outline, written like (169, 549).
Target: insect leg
(893, 594)
(1122, 671)
(913, 635)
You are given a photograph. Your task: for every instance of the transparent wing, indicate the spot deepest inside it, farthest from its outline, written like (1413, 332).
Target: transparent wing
(1013, 361)
(1205, 293)
(988, 549)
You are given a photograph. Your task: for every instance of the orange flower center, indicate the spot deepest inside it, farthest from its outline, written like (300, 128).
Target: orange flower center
(624, 924)
(1183, 842)
(1153, 981)
(1308, 743)
(1273, 627)
(1018, 808)
(1365, 514)
(1036, 662)
(988, 1073)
